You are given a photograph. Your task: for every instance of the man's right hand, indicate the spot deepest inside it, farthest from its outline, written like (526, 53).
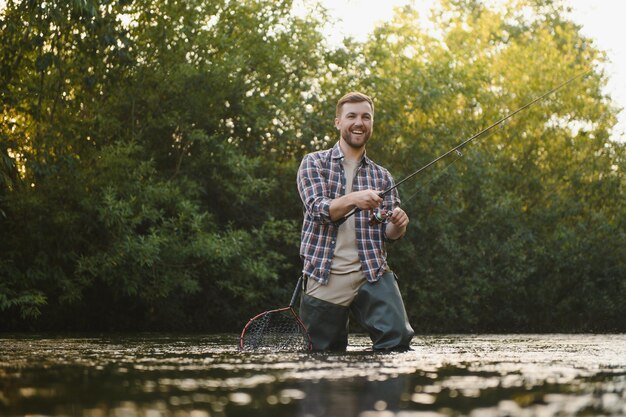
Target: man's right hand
(363, 200)
(366, 199)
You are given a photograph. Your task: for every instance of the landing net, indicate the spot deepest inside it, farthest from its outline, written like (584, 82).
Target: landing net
(274, 331)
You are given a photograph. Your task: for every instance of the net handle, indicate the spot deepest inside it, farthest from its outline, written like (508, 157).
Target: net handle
(296, 292)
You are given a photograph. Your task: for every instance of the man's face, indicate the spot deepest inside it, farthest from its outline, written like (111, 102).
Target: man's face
(355, 123)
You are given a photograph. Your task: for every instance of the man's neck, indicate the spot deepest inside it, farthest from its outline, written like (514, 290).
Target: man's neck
(349, 152)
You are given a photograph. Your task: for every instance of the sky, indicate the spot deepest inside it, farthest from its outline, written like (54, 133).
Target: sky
(601, 20)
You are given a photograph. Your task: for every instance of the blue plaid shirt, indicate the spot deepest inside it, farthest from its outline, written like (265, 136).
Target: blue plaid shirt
(320, 180)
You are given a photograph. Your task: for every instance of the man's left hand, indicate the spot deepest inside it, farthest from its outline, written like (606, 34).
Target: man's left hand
(398, 221)
(399, 218)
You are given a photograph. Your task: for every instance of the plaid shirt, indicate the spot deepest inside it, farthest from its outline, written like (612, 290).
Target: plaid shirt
(320, 180)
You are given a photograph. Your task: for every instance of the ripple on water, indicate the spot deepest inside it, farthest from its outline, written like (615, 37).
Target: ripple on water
(452, 375)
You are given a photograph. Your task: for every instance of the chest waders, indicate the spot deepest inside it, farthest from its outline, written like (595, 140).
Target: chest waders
(377, 307)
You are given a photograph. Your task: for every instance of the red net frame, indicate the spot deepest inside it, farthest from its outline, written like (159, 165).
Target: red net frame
(276, 330)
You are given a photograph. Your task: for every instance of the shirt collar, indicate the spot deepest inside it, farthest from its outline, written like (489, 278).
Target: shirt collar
(337, 154)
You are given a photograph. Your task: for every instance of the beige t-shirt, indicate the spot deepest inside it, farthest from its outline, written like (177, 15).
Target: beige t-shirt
(346, 258)
(346, 274)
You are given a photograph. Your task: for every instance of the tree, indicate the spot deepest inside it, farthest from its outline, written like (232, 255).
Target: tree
(148, 153)
(509, 237)
(136, 130)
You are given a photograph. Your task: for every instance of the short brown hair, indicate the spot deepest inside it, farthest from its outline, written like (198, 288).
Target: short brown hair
(353, 97)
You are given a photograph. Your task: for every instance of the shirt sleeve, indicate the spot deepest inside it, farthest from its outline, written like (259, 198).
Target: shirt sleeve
(313, 190)
(391, 201)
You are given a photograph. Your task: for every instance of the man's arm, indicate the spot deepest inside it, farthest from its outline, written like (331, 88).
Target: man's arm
(314, 195)
(313, 190)
(364, 200)
(398, 222)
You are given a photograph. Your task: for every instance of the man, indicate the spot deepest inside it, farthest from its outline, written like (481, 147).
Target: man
(345, 259)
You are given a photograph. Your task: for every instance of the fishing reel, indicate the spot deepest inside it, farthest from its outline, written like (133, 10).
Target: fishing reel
(379, 216)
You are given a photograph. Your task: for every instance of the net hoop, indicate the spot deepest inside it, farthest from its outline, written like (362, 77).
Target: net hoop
(275, 330)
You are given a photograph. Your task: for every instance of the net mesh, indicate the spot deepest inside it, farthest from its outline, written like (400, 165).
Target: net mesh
(276, 330)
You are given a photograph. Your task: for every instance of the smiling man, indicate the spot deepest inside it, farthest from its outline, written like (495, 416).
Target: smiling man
(345, 261)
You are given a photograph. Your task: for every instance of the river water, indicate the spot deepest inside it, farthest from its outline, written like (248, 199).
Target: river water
(206, 376)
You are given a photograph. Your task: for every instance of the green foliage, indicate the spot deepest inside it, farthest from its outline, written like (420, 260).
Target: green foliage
(131, 175)
(524, 233)
(148, 153)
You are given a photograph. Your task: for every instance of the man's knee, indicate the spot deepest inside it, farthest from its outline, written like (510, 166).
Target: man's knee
(327, 323)
(380, 309)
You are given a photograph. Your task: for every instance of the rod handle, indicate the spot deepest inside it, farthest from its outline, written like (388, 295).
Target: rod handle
(296, 292)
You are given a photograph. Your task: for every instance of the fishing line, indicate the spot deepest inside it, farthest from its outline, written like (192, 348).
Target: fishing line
(440, 174)
(433, 179)
(444, 170)
(379, 215)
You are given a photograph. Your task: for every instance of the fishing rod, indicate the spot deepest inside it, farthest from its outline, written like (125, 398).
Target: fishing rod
(380, 215)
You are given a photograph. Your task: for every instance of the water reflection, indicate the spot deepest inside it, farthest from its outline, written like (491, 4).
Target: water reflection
(154, 376)
(339, 398)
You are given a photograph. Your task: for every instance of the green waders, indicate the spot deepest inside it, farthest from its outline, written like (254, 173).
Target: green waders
(378, 307)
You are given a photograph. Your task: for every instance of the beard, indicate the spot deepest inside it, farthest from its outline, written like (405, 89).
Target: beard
(354, 141)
